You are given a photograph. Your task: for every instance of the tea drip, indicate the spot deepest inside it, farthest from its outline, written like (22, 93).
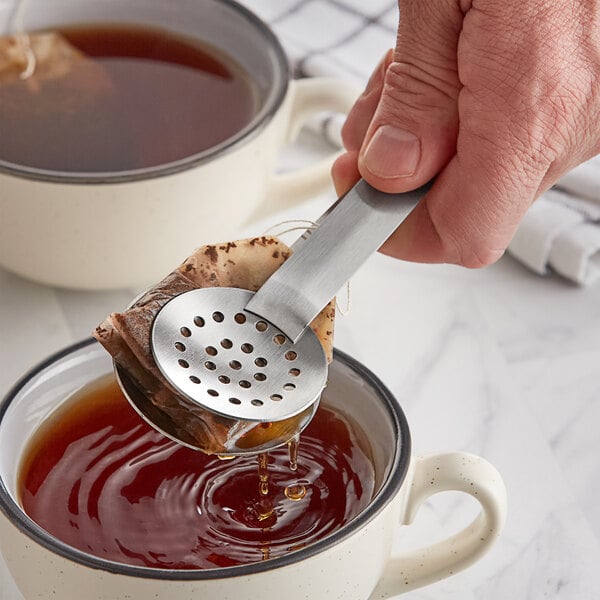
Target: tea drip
(252, 357)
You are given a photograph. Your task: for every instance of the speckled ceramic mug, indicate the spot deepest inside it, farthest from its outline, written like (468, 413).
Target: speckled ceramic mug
(81, 230)
(353, 562)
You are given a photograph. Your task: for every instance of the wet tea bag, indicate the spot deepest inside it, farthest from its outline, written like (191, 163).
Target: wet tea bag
(244, 264)
(36, 58)
(48, 87)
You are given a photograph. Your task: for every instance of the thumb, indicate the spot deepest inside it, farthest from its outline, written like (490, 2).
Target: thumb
(412, 134)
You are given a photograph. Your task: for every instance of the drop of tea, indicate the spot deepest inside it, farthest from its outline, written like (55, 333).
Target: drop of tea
(293, 452)
(263, 474)
(263, 510)
(296, 492)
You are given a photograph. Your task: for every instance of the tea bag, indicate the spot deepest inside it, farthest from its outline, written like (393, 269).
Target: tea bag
(36, 58)
(50, 93)
(244, 264)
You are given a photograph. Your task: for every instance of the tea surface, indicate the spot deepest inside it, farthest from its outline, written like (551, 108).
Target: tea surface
(140, 97)
(98, 478)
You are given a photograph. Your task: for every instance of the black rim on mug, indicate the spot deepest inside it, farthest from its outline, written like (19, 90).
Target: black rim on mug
(388, 490)
(254, 127)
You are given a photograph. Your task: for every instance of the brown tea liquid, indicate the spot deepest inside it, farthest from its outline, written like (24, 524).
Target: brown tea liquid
(103, 481)
(141, 97)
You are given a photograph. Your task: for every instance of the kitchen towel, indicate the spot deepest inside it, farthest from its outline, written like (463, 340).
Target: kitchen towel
(347, 38)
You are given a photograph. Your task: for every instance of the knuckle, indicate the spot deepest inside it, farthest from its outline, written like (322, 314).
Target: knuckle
(414, 86)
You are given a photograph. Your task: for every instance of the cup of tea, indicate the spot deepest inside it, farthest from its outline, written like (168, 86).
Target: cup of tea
(94, 504)
(137, 128)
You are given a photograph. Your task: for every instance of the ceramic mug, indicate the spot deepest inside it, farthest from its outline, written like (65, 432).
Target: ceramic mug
(353, 562)
(81, 230)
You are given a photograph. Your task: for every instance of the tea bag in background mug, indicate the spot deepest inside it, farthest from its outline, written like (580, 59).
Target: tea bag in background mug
(44, 81)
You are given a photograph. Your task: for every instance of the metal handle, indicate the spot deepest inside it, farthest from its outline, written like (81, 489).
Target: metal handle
(326, 257)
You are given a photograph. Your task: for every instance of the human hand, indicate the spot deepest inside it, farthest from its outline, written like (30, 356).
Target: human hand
(498, 98)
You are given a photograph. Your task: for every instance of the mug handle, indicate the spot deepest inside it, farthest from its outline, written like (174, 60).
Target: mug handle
(457, 471)
(307, 98)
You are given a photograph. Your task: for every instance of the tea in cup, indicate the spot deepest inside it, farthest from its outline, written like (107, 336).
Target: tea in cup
(339, 538)
(143, 126)
(106, 483)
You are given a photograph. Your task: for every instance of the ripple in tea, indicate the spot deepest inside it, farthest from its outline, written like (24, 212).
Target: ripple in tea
(98, 478)
(130, 97)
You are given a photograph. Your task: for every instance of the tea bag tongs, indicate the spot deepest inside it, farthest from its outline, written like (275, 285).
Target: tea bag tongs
(252, 356)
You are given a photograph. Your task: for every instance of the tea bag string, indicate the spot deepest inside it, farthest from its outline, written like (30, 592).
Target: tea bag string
(23, 39)
(301, 225)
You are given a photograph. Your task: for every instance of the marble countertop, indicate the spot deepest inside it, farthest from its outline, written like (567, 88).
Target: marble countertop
(498, 362)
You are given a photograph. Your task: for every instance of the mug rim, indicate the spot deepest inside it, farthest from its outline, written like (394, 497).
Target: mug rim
(389, 489)
(264, 116)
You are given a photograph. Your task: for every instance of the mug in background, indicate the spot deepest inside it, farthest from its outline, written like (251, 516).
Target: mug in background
(353, 562)
(129, 228)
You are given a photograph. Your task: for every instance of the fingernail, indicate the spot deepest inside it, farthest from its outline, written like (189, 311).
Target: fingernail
(392, 153)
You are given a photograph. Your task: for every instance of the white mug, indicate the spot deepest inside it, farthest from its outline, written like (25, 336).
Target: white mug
(128, 228)
(352, 562)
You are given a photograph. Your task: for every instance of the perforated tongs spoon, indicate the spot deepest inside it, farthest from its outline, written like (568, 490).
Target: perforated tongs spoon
(252, 357)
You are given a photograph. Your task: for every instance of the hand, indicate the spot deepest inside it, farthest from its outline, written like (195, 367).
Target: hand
(498, 98)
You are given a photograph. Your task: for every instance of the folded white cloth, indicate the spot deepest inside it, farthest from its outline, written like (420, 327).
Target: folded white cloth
(347, 38)
(561, 230)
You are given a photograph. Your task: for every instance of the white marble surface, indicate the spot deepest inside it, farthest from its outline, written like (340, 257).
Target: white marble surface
(498, 362)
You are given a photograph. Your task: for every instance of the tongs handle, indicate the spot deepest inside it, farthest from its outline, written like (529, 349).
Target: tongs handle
(325, 258)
